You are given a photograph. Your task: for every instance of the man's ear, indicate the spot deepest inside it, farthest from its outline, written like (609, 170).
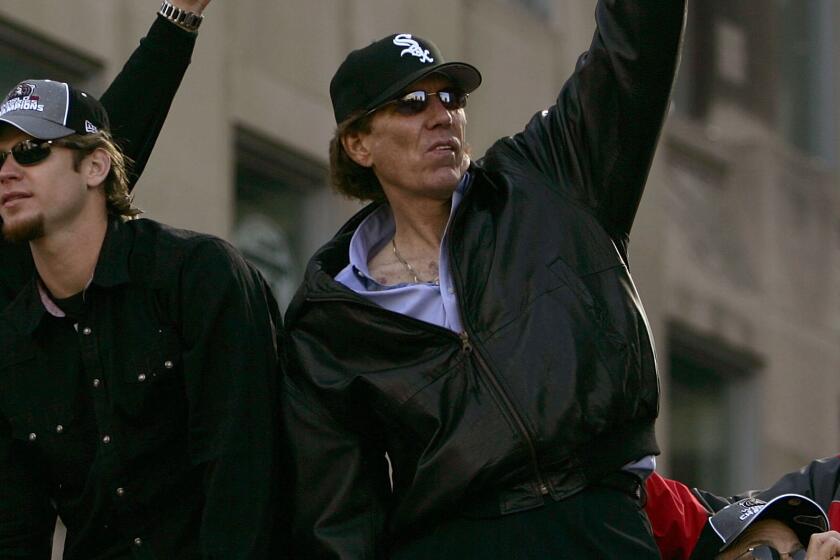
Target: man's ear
(356, 146)
(95, 167)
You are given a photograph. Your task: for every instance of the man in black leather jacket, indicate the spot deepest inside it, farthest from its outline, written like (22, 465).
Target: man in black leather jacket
(475, 329)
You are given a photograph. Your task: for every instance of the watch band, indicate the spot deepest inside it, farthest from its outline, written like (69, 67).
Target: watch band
(189, 21)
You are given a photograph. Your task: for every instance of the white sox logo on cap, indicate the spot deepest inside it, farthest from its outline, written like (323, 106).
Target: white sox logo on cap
(414, 48)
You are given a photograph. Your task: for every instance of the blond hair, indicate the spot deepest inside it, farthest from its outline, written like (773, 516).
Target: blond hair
(118, 198)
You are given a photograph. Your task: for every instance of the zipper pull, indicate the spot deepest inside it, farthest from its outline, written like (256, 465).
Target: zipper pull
(465, 342)
(544, 489)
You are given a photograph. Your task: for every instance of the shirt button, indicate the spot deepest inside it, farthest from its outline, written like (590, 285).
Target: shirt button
(86, 331)
(168, 364)
(120, 491)
(59, 429)
(33, 436)
(106, 439)
(141, 377)
(138, 541)
(96, 382)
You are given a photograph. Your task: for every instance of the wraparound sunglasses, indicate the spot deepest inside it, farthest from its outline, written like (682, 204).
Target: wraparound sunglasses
(415, 102)
(29, 151)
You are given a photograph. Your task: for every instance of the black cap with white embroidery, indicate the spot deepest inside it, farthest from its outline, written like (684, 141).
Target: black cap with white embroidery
(47, 110)
(799, 513)
(373, 75)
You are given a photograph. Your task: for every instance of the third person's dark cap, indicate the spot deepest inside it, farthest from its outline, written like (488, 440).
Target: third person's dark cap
(798, 512)
(375, 74)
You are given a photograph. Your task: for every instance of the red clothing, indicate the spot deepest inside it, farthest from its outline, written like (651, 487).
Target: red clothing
(678, 514)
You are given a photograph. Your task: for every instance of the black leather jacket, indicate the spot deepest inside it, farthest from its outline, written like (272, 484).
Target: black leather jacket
(553, 383)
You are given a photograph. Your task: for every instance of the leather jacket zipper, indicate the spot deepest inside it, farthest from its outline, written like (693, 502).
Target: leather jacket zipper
(495, 385)
(468, 348)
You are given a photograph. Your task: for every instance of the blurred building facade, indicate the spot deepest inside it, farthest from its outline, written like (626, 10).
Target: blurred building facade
(736, 250)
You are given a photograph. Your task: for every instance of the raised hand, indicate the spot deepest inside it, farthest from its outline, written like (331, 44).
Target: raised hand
(824, 546)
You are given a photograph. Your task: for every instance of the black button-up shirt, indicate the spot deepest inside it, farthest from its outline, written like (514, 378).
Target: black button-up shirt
(148, 422)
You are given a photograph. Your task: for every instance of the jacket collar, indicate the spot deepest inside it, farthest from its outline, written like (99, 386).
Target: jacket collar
(112, 267)
(26, 310)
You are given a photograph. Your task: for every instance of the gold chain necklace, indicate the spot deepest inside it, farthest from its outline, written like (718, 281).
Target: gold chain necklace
(404, 262)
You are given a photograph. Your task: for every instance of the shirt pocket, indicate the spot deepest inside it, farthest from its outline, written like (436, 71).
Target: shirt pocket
(16, 363)
(58, 439)
(598, 312)
(153, 384)
(20, 390)
(158, 360)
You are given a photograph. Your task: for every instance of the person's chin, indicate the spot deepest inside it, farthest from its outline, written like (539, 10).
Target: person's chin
(23, 230)
(446, 182)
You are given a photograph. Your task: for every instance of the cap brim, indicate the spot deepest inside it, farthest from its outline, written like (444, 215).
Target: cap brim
(37, 127)
(801, 513)
(465, 76)
(805, 517)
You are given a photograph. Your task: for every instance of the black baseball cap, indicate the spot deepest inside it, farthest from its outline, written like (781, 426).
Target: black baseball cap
(375, 74)
(46, 109)
(804, 516)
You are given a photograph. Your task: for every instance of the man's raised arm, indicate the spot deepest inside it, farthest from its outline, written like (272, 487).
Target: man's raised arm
(139, 98)
(597, 142)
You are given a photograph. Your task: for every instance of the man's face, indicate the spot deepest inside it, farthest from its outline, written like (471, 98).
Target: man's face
(765, 532)
(422, 155)
(41, 198)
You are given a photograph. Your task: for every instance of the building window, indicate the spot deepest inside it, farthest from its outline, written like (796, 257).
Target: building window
(728, 57)
(274, 192)
(540, 8)
(713, 419)
(807, 113)
(774, 61)
(25, 54)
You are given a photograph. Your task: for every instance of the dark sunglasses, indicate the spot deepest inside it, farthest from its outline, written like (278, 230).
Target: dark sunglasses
(28, 152)
(767, 552)
(415, 102)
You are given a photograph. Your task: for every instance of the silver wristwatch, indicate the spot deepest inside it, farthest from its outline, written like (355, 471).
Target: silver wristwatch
(182, 18)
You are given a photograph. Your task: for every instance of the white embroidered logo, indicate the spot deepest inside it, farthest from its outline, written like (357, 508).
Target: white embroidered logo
(414, 48)
(22, 98)
(90, 127)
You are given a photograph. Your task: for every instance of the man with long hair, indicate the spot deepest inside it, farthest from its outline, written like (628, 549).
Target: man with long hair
(470, 372)
(137, 366)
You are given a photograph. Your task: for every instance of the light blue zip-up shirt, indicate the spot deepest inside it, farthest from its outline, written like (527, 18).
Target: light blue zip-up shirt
(434, 303)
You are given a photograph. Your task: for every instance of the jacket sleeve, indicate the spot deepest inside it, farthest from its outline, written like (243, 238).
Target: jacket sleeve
(675, 512)
(597, 142)
(27, 518)
(228, 323)
(819, 480)
(339, 480)
(139, 98)
(676, 516)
